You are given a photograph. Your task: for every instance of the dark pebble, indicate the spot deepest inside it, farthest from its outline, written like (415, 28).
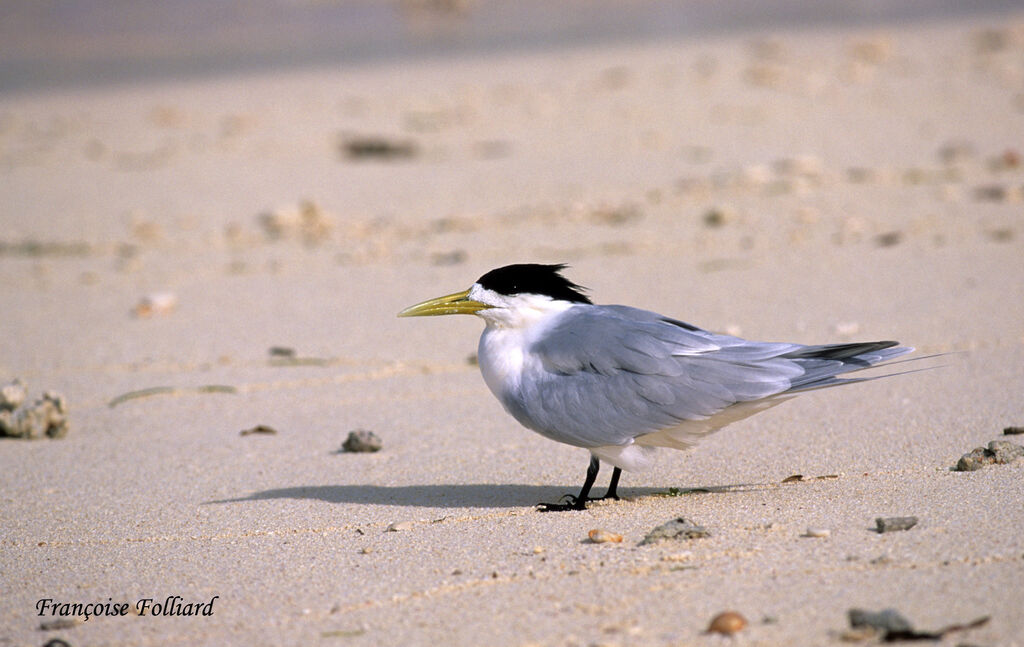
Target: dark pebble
(258, 429)
(362, 440)
(999, 452)
(892, 524)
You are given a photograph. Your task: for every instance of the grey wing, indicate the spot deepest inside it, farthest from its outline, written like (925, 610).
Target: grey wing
(608, 374)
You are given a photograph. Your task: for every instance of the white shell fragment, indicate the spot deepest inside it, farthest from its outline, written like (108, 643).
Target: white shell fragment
(157, 303)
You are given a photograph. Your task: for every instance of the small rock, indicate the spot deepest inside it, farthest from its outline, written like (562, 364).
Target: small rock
(13, 396)
(889, 239)
(718, 216)
(997, 193)
(1012, 431)
(375, 147)
(885, 621)
(893, 524)
(998, 452)
(48, 416)
(1003, 451)
(281, 351)
(362, 440)
(973, 460)
(258, 429)
(677, 529)
(727, 623)
(817, 532)
(601, 536)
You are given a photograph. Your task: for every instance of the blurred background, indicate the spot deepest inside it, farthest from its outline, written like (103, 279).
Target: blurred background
(61, 42)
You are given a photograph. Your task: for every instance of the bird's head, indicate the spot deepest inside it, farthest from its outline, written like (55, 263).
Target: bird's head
(512, 295)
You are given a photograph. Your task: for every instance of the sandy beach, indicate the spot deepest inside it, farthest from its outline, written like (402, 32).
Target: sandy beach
(184, 260)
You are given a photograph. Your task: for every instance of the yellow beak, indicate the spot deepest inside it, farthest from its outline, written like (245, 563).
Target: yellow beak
(452, 304)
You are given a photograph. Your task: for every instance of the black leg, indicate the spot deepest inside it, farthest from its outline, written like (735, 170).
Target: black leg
(580, 502)
(613, 485)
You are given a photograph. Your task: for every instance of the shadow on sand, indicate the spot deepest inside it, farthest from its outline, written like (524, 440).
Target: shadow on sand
(472, 495)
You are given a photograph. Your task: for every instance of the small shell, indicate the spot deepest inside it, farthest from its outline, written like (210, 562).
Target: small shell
(817, 532)
(727, 623)
(601, 536)
(400, 526)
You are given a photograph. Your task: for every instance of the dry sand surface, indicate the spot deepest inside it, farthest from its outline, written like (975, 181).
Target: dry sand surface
(815, 186)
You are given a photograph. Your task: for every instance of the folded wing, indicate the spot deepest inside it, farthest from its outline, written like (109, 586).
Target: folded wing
(606, 375)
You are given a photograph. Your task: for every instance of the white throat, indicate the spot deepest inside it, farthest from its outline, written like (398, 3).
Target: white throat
(514, 323)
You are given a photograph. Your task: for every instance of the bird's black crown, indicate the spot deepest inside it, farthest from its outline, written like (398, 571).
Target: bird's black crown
(533, 278)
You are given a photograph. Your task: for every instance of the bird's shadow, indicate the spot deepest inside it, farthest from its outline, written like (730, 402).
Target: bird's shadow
(470, 495)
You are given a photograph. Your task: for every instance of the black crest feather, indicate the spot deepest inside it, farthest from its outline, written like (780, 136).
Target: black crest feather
(533, 278)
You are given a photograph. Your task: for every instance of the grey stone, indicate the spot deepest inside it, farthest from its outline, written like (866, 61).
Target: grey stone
(677, 529)
(362, 440)
(893, 524)
(886, 621)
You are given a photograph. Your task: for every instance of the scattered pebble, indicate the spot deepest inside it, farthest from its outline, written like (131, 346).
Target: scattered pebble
(281, 351)
(997, 193)
(727, 623)
(13, 396)
(889, 239)
(378, 147)
(362, 440)
(601, 536)
(885, 621)
(56, 642)
(157, 303)
(796, 478)
(47, 416)
(999, 452)
(258, 429)
(817, 532)
(893, 524)
(678, 529)
(716, 217)
(1012, 431)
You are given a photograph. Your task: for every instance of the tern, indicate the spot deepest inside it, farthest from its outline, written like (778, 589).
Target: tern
(621, 381)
